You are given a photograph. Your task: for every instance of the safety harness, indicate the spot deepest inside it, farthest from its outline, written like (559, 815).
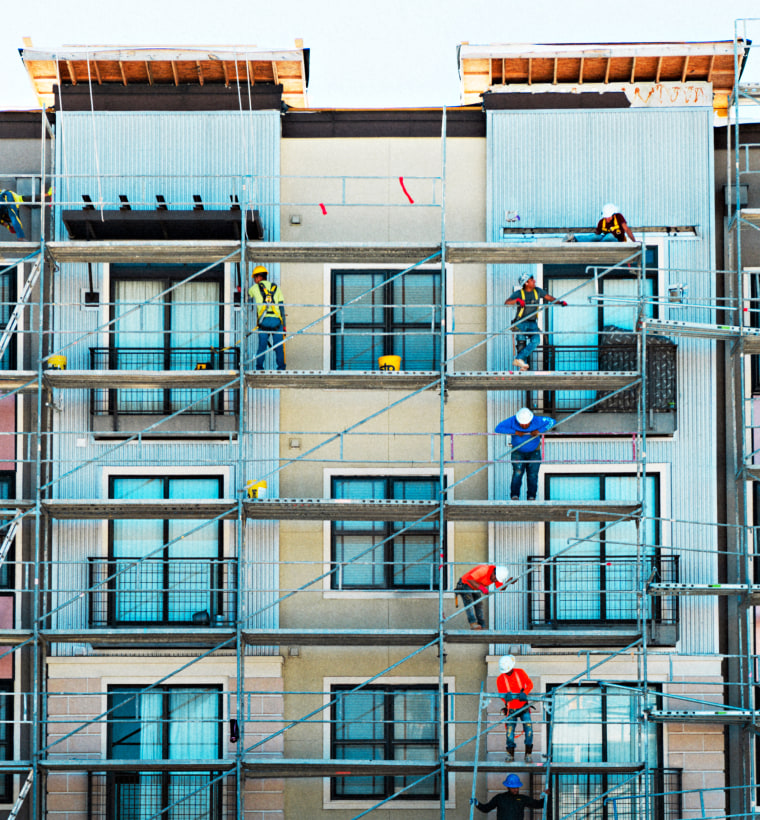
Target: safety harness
(9, 215)
(615, 228)
(268, 306)
(521, 308)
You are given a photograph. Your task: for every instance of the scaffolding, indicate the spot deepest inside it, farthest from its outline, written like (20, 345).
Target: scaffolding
(233, 601)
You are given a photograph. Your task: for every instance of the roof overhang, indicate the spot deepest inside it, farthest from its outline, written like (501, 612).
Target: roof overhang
(579, 67)
(148, 66)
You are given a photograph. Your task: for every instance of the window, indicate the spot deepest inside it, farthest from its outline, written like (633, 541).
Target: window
(386, 554)
(166, 571)
(601, 723)
(165, 723)
(579, 338)
(7, 304)
(7, 566)
(385, 723)
(6, 738)
(163, 323)
(598, 580)
(386, 314)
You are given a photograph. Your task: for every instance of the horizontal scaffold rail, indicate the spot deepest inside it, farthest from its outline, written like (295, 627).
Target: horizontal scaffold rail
(601, 253)
(544, 380)
(191, 636)
(751, 215)
(720, 716)
(307, 767)
(749, 335)
(332, 509)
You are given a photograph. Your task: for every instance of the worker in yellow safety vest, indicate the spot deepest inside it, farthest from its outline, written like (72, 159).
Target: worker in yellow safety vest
(270, 317)
(612, 226)
(525, 324)
(9, 215)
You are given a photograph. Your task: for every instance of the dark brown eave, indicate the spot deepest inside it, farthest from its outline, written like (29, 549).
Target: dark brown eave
(21, 125)
(374, 123)
(507, 101)
(184, 97)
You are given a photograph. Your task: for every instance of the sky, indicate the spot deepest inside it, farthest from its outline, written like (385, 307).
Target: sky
(364, 53)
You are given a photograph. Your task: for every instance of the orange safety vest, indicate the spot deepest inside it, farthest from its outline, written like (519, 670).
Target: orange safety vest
(481, 577)
(512, 684)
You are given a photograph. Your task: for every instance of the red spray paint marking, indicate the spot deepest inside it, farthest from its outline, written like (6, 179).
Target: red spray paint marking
(324, 210)
(403, 188)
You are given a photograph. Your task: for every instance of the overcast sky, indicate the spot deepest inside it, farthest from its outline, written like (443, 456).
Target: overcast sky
(364, 53)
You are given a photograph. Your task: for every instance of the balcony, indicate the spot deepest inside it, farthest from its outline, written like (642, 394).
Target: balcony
(571, 591)
(129, 592)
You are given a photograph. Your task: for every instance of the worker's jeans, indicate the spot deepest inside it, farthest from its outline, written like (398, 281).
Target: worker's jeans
(271, 326)
(527, 337)
(595, 237)
(469, 596)
(522, 462)
(510, 724)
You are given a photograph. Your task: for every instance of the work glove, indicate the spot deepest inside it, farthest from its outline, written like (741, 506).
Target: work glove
(521, 699)
(473, 801)
(562, 303)
(520, 302)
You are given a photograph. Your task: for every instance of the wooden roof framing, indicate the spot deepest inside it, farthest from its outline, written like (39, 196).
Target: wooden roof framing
(169, 66)
(484, 67)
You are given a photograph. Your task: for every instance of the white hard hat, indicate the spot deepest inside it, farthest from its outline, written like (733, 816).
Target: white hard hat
(506, 663)
(524, 278)
(524, 416)
(502, 574)
(609, 209)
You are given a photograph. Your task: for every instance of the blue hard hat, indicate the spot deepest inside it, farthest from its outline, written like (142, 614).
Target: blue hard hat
(513, 781)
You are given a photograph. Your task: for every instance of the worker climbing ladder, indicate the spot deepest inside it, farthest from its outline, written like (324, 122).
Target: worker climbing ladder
(19, 307)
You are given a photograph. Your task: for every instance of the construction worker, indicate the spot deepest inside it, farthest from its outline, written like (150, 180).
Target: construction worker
(525, 326)
(510, 804)
(612, 226)
(473, 585)
(515, 684)
(270, 316)
(9, 215)
(525, 429)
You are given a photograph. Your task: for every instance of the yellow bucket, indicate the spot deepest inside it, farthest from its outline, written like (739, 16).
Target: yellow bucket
(389, 362)
(256, 489)
(57, 362)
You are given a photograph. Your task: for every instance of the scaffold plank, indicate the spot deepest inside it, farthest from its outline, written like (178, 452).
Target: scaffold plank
(750, 336)
(140, 379)
(102, 765)
(20, 381)
(15, 251)
(570, 253)
(752, 471)
(200, 637)
(391, 636)
(334, 509)
(720, 716)
(557, 767)
(751, 215)
(418, 380)
(575, 636)
(704, 589)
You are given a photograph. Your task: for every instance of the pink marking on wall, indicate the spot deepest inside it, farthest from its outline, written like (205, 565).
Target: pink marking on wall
(7, 425)
(6, 622)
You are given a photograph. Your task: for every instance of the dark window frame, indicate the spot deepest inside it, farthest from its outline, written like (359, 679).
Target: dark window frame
(7, 715)
(388, 743)
(602, 556)
(383, 531)
(164, 557)
(7, 569)
(117, 779)
(383, 298)
(168, 276)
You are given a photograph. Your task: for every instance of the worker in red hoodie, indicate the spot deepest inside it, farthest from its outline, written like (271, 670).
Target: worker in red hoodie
(515, 686)
(473, 585)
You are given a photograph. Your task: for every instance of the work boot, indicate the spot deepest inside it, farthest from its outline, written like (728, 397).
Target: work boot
(528, 757)
(570, 237)
(521, 364)
(475, 626)
(510, 758)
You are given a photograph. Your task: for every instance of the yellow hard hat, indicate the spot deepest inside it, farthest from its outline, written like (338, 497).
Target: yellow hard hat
(259, 269)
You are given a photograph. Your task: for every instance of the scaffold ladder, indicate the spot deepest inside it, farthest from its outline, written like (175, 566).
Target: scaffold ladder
(22, 795)
(7, 541)
(19, 308)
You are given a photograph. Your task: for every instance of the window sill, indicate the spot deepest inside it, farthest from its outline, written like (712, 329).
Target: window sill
(383, 593)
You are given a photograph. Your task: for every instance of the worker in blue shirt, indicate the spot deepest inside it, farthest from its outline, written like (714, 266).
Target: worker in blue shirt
(526, 430)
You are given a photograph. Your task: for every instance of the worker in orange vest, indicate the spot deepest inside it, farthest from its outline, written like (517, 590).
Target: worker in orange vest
(473, 585)
(515, 685)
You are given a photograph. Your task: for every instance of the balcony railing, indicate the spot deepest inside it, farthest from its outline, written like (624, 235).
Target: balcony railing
(192, 591)
(191, 795)
(571, 590)
(163, 401)
(607, 357)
